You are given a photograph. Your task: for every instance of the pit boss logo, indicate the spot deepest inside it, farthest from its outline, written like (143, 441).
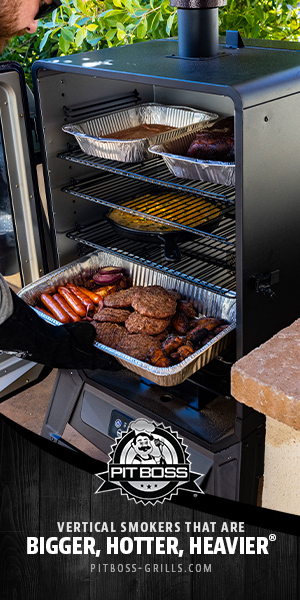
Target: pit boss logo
(149, 463)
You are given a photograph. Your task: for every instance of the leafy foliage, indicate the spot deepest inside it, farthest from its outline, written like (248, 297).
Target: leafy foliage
(81, 25)
(273, 19)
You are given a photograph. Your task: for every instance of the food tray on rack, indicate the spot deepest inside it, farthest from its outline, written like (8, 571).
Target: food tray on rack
(96, 136)
(173, 152)
(205, 302)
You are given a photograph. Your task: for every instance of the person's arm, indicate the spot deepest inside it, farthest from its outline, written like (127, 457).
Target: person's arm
(6, 301)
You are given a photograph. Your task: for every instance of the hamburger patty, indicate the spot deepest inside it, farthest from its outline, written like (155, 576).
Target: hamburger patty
(109, 334)
(154, 301)
(111, 315)
(176, 295)
(121, 299)
(137, 323)
(137, 345)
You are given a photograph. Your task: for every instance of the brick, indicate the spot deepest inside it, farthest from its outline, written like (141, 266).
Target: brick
(268, 378)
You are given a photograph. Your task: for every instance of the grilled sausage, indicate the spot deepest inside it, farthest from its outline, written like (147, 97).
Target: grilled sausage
(180, 322)
(43, 310)
(158, 358)
(56, 310)
(220, 328)
(95, 298)
(86, 301)
(196, 335)
(62, 302)
(182, 353)
(73, 301)
(171, 344)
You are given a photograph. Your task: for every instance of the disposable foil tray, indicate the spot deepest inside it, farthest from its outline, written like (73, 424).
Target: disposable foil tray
(89, 134)
(205, 302)
(173, 152)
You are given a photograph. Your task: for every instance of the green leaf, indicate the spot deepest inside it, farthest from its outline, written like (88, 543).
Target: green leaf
(156, 21)
(92, 27)
(80, 5)
(142, 29)
(121, 34)
(170, 23)
(44, 39)
(139, 13)
(112, 13)
(79, 37)
(68, 34)
(73, 19)
(63, 44)
(110, 34)
(83, 21)
(93, 39)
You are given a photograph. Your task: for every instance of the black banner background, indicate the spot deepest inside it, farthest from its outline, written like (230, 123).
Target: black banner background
(39, 488)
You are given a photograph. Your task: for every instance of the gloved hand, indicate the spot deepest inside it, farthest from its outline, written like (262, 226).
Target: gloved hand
(70, 346)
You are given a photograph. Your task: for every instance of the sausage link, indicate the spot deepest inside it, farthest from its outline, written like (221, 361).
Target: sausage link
(72, 300)
(81, 296)
(62, 302)
(43, 310)
(95, 298)
(56, 310)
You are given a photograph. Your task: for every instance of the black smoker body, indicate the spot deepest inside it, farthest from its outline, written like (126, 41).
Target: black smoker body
(259, 86)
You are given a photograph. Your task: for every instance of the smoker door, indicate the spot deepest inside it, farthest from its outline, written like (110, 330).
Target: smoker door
(22, 254)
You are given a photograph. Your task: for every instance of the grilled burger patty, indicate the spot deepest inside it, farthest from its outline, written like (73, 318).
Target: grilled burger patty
(137, 323)
(109, 334)
(111, 315)
(154, 301)
(137, 345)
(121, 299)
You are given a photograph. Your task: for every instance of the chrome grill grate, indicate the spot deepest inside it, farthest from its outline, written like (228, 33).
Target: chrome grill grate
(207, 261)
(153, 171)
(181, 209)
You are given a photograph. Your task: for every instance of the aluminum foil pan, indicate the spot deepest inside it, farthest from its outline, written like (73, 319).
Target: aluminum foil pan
(206, 302)
(173, 153)
(88, 133)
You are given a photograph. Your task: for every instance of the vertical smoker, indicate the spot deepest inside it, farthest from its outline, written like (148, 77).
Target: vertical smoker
(251, 256)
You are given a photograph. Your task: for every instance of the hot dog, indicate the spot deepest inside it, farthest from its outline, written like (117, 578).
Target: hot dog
(43, 310)
(81, 296)
(95, 298)
(72, 300)
(56, 310)
(62, 302)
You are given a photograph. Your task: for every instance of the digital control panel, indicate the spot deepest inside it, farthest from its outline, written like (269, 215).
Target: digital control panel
(118, 423)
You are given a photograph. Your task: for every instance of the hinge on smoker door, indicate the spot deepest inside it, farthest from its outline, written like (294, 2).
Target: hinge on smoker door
(262, 283)
(35, 139)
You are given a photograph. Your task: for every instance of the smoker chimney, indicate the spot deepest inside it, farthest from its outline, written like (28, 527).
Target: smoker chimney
(198, 27)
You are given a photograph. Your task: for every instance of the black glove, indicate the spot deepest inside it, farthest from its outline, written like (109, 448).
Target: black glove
(70, 346)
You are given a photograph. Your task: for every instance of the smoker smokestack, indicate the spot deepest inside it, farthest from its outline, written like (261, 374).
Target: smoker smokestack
(198, 27)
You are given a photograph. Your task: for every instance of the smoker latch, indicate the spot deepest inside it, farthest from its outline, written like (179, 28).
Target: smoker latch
(234, 40)
(262, 283)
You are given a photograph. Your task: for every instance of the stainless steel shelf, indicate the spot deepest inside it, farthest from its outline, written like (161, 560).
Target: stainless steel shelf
(179, 208)
(153, 171)
(205, 261)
